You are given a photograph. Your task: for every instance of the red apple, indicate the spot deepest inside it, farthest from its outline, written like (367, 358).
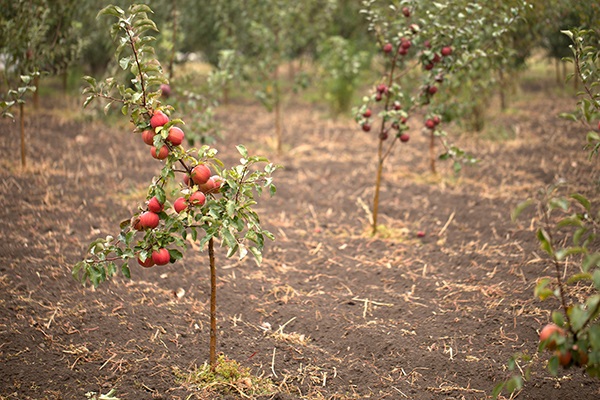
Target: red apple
(381, 88)
(429, 66)
(378, 97)
(405, 137)
(154, 205)
(430, 124)
(149, 220)
(406, 44)
(387, 47)
(436, 58)
(383, 136)
(186, 180)
(437, 120)
(158, 119)
(446, 51)
(180, 204)
(406, 12)
(547, 332)
(165, 90)
(219, 181)
(397, 106)
(367, 113)
(564, 359)
(161, 256)
(176, 136)
(209, 186)
(200, 174)
(414, 28)
(420, 234)
(160, 154)
(427, 44)
(148, 137)
(432, 89)
(366, 127)
(146, 264)
(197, 198)
(402, 51)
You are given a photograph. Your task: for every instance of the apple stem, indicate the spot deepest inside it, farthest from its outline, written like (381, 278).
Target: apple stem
(213, 305)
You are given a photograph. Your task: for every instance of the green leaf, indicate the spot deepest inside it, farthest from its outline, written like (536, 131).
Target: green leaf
(545, 242)
(558, 203)
(257, 253)
(596, 279)
(125, 270)
(558, 318)
(518, 210)
(582, 200)
(590, 261)
(561, 254)
(124, 62)
(175, 254)
(111, 10)
(579, 277)
(541, 290)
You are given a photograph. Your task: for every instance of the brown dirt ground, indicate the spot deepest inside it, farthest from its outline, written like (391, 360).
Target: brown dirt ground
(332, 313)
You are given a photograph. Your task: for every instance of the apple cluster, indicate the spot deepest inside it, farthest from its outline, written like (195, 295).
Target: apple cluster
(389, 92)
(198, 184)
(552, 336)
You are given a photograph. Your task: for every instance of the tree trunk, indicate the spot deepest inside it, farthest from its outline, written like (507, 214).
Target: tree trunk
(432, 152)
(36, 94)
(172, 58)
(278, 123)
(65, 80)
(22, 120)
(213, 305)
(377, 187)
(502, 90)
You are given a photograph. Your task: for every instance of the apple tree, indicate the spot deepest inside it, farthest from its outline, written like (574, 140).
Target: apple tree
(426, 49)
(212, 202)
(567, 231)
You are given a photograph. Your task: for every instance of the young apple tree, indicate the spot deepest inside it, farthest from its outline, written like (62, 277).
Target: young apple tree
(568, 226)
(214, 203)
(423, 45)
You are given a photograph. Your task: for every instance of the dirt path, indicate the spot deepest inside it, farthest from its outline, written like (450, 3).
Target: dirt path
(332, 313)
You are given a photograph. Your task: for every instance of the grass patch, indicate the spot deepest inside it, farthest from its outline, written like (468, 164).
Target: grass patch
(227, 378)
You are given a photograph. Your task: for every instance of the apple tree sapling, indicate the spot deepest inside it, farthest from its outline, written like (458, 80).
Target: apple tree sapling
(395, 96)
(567, 231)
(212, 202)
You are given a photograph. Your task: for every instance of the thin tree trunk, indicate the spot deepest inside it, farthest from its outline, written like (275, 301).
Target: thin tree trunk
(22, 120)
(213, 305)
(575, 78)
(502, 90)
(377, 187)
(65, 80)
(278, 123)
(557, 69)
(36, 93)
(432, 153)
(172, 58)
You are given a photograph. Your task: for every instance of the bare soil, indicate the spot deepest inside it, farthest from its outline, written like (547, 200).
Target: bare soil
(332, 313)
